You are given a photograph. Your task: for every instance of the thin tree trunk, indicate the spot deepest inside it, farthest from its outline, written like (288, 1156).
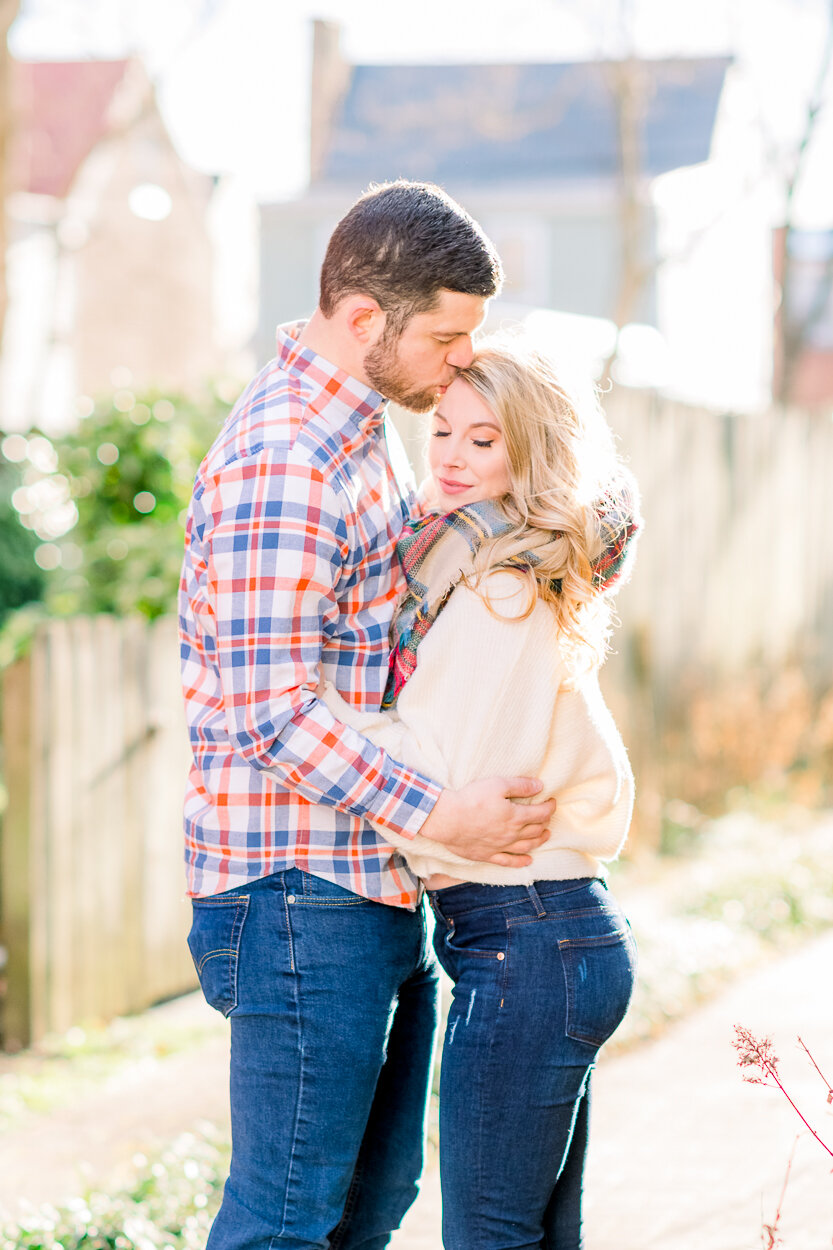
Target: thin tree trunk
(628, 88)
(8, 12)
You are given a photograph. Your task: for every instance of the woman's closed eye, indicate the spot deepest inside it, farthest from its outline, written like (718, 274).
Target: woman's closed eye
(476, 442)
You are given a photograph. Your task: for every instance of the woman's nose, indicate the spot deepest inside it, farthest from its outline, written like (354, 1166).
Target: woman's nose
(453, 454)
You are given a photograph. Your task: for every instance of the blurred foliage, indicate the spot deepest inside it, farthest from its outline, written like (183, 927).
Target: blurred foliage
(107, 501)
(760, 739)
(169, 1206)
(21, 581)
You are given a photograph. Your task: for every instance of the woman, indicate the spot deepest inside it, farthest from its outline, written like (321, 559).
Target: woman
(496, 649)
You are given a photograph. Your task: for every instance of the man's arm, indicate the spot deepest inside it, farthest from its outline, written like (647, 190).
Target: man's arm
(274, 541)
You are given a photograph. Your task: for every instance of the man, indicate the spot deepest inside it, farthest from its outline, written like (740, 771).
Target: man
(307, 928)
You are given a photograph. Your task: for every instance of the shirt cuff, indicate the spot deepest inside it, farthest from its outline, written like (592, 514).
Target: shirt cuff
(404, 802)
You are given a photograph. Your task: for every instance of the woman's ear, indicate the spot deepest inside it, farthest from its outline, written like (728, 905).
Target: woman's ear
(364, 320)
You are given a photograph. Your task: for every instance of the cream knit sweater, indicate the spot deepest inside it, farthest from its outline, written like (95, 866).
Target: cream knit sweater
(491, 696)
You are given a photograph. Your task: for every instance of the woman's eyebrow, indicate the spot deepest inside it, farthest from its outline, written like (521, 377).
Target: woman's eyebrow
(475, 425)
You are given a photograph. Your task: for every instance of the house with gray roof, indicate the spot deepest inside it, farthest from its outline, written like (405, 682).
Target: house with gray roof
(535, 152)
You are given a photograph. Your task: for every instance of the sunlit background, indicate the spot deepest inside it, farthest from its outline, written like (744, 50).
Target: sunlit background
(656, 177)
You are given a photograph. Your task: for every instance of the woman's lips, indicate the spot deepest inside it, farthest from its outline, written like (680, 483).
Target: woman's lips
(452, 488)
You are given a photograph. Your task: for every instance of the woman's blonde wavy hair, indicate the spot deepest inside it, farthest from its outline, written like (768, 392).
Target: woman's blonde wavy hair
(561, 457)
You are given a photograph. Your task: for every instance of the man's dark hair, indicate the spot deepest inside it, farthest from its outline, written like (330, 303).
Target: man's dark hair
(403, 243)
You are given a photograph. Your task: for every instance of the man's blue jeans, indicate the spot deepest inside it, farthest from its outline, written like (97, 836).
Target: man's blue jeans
(542, 976)
(332, 1001)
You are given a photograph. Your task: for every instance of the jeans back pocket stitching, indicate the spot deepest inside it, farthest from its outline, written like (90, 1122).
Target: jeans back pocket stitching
(213, 955)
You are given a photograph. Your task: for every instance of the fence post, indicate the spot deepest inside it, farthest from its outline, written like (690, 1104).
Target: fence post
(15, 867)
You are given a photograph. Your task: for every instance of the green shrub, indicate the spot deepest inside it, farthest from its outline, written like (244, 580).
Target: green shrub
(21, 581)
(104, 505)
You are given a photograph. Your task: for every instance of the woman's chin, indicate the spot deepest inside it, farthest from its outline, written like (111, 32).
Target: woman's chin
(447, 503)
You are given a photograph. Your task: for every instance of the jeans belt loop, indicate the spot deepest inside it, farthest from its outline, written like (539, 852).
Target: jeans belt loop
(535, 900)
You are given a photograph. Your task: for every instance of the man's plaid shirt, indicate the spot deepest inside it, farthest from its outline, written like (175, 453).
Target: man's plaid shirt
(290, 573)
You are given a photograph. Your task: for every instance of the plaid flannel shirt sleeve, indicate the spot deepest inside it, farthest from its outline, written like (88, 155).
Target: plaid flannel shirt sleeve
(274, 540)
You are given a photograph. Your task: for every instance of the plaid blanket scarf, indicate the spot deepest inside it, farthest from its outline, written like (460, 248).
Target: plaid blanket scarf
(436, 550)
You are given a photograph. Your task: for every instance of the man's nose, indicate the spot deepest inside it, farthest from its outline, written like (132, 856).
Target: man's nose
(462, 352)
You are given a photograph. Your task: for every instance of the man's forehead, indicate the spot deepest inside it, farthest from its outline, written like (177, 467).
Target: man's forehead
(456, 313)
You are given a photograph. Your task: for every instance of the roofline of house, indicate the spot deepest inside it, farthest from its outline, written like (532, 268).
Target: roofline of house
(494, 195)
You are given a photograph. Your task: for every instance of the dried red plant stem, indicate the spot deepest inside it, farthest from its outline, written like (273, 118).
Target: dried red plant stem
(771, 1071)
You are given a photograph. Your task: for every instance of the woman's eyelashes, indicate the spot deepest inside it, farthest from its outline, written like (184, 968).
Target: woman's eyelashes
(476, 442)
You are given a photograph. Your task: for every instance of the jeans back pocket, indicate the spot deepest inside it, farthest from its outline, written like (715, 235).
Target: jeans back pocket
(599, 972)
(214, 943)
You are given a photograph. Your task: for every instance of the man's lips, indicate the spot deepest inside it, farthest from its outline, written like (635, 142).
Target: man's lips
(453, 488)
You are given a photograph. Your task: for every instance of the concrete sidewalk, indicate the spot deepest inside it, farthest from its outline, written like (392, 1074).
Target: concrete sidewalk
(684, 1153)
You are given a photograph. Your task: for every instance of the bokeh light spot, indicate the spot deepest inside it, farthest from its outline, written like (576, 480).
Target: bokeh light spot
(84, 406)
(123, 400)
(14, 448)
(117, 549)
(150, 202)
(107, 453)
(42, 454)
(48, 556)
(144, 501)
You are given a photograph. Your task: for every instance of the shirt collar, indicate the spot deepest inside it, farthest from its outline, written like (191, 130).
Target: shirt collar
(345, 399)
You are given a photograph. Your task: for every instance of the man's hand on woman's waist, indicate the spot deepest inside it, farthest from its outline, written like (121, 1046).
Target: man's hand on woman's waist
(481, 822)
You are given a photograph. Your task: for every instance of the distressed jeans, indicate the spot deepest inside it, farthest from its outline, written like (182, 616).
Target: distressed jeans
(332, 1005)
(542, 976)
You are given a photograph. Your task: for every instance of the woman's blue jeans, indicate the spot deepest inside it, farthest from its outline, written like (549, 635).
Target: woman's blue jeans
(542, 976)
(332, 1001)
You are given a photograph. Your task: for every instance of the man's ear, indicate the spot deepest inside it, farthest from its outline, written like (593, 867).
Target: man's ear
(364, 320)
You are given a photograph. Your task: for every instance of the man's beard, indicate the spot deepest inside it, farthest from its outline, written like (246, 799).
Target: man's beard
(385, 372)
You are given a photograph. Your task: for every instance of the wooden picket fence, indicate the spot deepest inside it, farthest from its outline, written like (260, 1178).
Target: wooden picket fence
(93, 916)
(721, 672)
(736, 565)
